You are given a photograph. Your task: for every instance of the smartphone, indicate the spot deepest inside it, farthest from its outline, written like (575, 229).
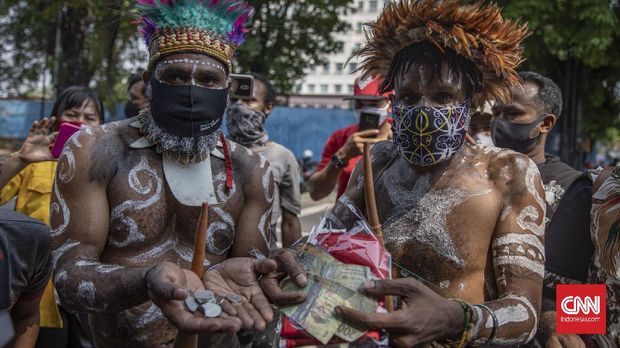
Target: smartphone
(66, 131)
(368, 120)
(241, 86)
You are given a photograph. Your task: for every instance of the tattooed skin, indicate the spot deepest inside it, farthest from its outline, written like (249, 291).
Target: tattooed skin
(462, 229)
(104, 242)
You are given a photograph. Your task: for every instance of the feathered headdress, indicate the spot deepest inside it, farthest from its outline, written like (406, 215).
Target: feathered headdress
(212, 27)
(475, 31)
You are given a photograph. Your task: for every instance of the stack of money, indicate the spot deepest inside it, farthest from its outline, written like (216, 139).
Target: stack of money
(331, 283)
(206, 303)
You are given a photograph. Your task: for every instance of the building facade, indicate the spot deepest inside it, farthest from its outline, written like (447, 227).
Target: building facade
(325, 85)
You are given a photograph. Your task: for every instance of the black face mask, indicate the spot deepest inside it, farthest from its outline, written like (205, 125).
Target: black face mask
(187, 110)
(514, 136)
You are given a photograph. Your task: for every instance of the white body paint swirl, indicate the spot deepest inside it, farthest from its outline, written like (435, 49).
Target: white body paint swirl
(66, 172)
(153, 187)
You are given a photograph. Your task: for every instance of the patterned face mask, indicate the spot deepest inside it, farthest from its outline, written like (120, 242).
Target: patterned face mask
(426, 135)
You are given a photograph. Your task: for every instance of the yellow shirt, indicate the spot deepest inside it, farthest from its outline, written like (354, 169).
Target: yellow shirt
(33, 188)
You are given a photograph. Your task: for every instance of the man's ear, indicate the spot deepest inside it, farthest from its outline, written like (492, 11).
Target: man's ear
(146, 76)
(548, 123)
(268, 109)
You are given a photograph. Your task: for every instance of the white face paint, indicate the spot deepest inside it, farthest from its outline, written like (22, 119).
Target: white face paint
(152, 187)
(61, 250)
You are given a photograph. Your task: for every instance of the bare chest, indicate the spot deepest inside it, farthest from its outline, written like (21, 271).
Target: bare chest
(148, 224)
(438, 226)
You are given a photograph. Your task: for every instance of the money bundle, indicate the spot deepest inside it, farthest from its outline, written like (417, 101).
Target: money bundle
(205, 302)
(331, 283)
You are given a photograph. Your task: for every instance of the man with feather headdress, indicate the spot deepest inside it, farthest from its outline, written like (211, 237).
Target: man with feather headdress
(122, 251)
(467, 221)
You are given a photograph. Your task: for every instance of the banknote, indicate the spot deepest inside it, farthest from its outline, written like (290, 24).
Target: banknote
(331, 283)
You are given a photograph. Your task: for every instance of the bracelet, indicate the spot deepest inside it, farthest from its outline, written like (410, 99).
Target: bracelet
(467, 323)
(495, 323)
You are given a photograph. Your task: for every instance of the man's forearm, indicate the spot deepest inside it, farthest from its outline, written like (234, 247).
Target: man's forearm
(88, 286)
(322, 183)
(9, 168)
(25, 317)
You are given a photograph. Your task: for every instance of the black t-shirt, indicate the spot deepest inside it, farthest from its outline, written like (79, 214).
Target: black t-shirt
(25, 263)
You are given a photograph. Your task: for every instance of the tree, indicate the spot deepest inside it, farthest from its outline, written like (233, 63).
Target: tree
(287, 36)
(79, 42)
(577, 44)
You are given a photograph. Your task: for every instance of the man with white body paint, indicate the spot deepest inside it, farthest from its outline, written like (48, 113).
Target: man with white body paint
(127, 196)
(467, 219)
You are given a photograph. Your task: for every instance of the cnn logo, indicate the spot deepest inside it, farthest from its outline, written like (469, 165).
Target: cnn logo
(581, 309)
(585, 305)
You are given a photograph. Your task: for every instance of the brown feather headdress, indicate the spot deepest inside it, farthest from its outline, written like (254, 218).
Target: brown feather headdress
(476, 32)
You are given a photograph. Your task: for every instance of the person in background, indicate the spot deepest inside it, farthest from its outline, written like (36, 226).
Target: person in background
(245, 121)
(480, 125)
(137, 100)
(29, 175)
(344, 147)
(523, 125)
(25, 269)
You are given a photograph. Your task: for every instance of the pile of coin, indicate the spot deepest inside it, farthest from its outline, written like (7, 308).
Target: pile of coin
(206, 303)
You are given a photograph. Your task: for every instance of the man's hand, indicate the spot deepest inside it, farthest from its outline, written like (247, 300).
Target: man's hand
(565, 341)
(286, 265)
(168, 285)
(355, 144)
(36, 147)
(423, 316)
(239, 275)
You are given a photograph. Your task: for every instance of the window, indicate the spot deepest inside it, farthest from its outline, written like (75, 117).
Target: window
(358, 27)
(326, 69)
(350, 88)
(339, 68)
(311, 88)
(352, 67)
(324, 88)
(356, 48)
(360, 5)
(372, 5)
(298, 89)
(312, 69)
(338, 88)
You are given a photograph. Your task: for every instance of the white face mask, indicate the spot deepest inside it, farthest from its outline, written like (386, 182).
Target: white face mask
(484, 139)
(383, 113)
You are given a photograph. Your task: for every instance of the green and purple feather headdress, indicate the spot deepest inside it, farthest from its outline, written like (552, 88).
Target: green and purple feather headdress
(212, 27)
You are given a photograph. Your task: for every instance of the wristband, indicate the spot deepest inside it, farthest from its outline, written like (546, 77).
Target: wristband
(337, 162)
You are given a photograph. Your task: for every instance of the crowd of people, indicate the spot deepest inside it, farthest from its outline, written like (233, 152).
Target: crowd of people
(480, 222)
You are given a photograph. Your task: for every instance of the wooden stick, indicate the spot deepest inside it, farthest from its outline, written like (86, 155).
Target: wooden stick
(184, 340)
(371, 209)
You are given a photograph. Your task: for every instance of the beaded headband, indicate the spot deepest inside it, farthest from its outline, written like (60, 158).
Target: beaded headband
(211, 27)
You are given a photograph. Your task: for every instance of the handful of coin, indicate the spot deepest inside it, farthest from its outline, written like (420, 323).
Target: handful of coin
(205, 302)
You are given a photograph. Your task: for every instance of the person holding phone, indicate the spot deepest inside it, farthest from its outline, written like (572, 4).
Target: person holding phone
(29, 175)
(344, 147)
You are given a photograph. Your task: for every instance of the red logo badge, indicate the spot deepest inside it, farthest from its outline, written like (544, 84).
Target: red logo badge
(580, 309)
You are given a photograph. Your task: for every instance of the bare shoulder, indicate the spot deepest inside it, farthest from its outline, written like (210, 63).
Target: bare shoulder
(245, 161)
(382, 154)
(509, 166)
(100, 148)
